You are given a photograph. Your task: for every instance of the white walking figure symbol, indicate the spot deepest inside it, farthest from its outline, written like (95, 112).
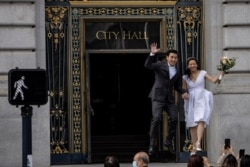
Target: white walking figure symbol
(18, 85)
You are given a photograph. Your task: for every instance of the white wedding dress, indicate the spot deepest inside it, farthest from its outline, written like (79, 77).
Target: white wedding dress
(199, 106)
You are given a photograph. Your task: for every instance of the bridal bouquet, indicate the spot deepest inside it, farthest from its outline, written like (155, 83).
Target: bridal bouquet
(225, 64)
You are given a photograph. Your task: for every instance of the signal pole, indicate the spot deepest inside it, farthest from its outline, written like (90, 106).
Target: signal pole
(26, 113)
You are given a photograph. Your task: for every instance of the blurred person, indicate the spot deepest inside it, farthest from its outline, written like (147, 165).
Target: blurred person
(224, 153)
(245, 161)
(141, 159)
(230, 161)
(197, 160)
(111, 161)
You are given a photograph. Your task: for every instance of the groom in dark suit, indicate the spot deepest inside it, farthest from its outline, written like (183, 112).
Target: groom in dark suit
(167, 78)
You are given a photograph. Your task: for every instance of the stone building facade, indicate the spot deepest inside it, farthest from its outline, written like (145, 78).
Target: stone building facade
(23, 45)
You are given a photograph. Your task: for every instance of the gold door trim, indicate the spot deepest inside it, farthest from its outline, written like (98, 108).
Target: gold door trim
(114, 4)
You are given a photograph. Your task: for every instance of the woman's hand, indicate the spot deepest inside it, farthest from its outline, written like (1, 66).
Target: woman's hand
(222, 73)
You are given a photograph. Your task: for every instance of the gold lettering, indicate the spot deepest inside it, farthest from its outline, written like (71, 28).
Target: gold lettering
(116, 35)
(139, 35)
(143, 35)
(109, 35)
(134, 36)
(124, 35)
(101, 35)
(146, 35)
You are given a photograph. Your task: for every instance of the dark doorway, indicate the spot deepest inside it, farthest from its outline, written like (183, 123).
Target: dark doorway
(119, 86)
(119, 94)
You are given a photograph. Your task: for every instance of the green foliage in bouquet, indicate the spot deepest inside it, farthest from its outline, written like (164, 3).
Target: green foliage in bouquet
(226, 63)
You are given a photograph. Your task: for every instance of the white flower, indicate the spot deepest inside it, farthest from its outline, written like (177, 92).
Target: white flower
(226, 63)
(224, 60)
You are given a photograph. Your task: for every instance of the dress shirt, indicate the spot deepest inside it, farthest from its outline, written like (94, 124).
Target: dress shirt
(172, 71)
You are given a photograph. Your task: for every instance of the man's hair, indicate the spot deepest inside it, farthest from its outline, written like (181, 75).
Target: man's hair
(163, 55)
(171, 51)
(111, 161)
(143, 156)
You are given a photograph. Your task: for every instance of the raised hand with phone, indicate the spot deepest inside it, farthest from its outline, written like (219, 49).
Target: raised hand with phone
(227, 143)
(241, 153)
(226, 149)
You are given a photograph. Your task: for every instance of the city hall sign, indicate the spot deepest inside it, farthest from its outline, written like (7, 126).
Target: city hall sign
(121, 35)
(109, 35)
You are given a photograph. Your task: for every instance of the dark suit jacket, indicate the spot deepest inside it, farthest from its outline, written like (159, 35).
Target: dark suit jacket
(163, 87)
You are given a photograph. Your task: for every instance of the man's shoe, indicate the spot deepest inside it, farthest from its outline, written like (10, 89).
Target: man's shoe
(169, 145)
(151, 150)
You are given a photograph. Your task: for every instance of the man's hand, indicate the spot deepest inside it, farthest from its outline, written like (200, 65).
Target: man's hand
(153, 47)
(185, 95)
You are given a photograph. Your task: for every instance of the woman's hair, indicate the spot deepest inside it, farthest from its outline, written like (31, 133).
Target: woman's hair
(111, 161)
(245, 161)
(230, 161)
(195, 161)
(188, 72)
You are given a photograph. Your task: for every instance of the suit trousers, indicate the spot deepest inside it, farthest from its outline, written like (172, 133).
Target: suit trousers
(157, 109)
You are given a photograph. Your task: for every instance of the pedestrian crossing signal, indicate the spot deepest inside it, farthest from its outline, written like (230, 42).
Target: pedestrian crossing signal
(27, 87)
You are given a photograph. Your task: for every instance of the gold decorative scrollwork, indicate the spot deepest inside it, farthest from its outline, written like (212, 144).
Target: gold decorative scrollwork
(189, 17)
(114, 0)
(55, 15)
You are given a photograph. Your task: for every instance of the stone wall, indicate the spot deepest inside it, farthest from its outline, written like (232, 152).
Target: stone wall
(22, 45)
(227, 26)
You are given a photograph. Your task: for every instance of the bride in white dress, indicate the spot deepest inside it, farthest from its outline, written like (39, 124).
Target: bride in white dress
(198, 106)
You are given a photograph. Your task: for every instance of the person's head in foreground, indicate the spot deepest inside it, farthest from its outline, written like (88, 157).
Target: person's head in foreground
(245, 161)
(230, 161)
(195, 161)
(111, 161)
(141, 159)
